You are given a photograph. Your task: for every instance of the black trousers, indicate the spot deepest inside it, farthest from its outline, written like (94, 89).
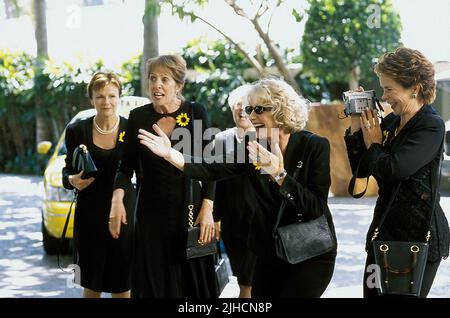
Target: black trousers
(277, 279)
(428, 278)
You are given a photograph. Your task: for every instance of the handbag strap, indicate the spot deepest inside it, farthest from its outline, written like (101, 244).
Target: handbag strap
(351, 184)
(295, 176)
(434, 198)
(191, 185)
(66, 224)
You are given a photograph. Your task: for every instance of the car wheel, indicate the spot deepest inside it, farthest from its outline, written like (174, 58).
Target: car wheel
(51, 244)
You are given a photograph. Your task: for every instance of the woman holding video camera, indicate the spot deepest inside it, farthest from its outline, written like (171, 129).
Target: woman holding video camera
(104, 262)
(402, 152)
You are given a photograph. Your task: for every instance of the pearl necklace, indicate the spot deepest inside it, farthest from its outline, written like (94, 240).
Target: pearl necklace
(106, 132)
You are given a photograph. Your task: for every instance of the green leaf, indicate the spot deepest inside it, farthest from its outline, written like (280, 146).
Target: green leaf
(297, 15)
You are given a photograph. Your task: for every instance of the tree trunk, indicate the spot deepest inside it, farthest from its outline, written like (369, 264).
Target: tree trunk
(151, 48)
(42, 127)
(40, 30)
(12, 9)
(353, 82)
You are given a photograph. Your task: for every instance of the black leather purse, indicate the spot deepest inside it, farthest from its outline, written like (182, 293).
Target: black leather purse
(298, 242)
(82, 161)
(195, 248)
(401, 264)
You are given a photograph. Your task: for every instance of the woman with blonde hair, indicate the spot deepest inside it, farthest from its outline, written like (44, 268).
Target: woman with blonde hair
(278, 115)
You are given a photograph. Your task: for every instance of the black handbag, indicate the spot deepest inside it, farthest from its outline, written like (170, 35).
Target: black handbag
(82, 161)
(401, 264)
(222, 274)
(195, 248)
(298, 242)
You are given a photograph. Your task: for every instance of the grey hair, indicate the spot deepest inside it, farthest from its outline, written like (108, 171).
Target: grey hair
(238, 94)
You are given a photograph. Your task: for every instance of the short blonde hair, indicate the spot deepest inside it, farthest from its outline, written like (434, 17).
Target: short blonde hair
(101, 79)
(290, 110)
(238, 94)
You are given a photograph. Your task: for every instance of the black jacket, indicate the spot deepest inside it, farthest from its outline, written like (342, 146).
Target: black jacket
(412, 158)
(307, 195)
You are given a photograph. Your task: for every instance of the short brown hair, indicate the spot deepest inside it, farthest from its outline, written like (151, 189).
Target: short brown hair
(409, 68)
(175, 64)
(101, 79)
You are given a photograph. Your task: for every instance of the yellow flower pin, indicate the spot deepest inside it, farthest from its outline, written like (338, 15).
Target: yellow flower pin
(183, 119)
(385, 135)
(121, 135)
(257, 166)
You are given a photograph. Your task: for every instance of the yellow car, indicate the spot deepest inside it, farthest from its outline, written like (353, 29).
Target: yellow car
(57, 199)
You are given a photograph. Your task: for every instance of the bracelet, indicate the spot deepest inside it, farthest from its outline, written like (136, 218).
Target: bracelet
(280, 176)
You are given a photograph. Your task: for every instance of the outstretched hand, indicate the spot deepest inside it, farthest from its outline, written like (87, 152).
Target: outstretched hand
(160, 145)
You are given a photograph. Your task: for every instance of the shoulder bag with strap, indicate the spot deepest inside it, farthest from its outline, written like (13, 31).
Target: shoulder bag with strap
(401, 265)
(298, 242)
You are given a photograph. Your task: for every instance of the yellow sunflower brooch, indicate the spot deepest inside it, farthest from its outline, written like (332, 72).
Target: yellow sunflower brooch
(183, 119)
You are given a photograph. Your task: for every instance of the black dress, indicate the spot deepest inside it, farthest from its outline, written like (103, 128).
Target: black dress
(104, 262)
(160, 268)
(235, 215)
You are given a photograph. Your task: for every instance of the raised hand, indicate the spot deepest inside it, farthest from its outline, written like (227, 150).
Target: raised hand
(271, 163)
(160, 145)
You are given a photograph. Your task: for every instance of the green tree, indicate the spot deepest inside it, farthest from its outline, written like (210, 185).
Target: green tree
(258, 16)
(218, 67)
(343, 38)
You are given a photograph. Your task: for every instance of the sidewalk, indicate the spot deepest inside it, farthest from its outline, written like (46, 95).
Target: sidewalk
(351, 219)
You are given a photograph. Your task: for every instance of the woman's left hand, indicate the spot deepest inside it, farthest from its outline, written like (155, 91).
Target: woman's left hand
(159, 145)
(371, 129)
(271, 163)
(206, 220)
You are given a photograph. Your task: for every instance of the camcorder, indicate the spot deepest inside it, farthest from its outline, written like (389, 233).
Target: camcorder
(357, 102)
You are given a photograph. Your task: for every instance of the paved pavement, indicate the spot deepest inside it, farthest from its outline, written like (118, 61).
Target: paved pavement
(26, 271)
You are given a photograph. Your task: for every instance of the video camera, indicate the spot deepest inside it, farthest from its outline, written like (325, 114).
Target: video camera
(357, 102)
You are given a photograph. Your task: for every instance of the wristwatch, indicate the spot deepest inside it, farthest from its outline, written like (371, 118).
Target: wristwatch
(280, 176)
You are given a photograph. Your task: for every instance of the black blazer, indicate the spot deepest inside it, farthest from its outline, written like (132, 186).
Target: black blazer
(412, 158)
(308, 195)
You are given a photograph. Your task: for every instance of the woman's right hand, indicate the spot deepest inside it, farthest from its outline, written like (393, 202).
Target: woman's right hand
(78, 183)
(117, 217)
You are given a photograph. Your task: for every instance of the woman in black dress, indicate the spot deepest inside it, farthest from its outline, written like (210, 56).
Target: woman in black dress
(234, 215)
(279, 115)
(104, 262)
(160, 268)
